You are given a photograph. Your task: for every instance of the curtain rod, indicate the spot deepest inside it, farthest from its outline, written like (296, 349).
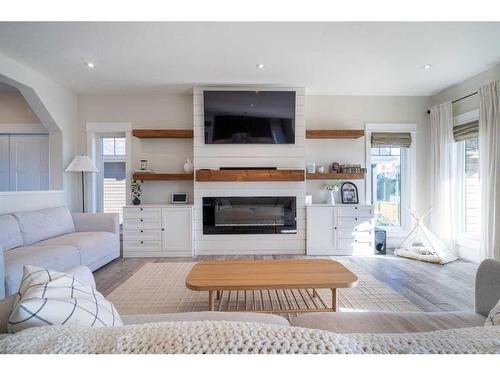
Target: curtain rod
(462, 98)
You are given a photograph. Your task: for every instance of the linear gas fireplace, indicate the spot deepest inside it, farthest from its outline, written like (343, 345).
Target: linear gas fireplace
(249, 215)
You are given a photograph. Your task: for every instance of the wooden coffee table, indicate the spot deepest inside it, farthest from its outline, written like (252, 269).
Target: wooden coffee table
(290, 284)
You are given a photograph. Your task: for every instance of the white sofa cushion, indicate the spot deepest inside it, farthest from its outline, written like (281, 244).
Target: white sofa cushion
(10, 234)
(493, 318)
(47, 297)
(42, 224)
(59, 258)
(91, 245)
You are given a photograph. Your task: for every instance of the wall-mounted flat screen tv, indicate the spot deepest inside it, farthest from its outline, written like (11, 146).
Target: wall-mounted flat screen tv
(249, 117)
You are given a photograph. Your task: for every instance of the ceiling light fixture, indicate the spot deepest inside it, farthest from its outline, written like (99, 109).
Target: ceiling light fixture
(260, 66)
(90, 65)
(426, 66)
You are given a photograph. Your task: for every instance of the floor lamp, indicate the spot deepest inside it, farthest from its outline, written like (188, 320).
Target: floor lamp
(82, 163)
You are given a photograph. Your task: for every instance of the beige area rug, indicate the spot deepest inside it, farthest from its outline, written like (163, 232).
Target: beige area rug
(160, 288)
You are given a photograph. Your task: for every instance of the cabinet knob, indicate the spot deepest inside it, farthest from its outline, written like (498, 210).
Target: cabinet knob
(163, 229)
(142, 242)
(141, 209)
(355, 208)
(355, 218)
(334, 227)
(142, 231)
(142, 220)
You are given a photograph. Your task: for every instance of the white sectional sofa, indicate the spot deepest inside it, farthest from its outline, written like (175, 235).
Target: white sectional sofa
(56, 239)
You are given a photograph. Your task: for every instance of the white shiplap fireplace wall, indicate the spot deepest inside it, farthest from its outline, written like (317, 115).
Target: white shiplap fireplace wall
(281, 156)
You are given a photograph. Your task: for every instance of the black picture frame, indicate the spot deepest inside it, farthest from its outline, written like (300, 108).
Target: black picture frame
(349, 193)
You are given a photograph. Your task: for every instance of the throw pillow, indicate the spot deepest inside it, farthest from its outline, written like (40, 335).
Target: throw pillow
(493, 318)
(47, 297)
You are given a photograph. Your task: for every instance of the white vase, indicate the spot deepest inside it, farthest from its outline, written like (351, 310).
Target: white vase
(330, 198)
(188, 166)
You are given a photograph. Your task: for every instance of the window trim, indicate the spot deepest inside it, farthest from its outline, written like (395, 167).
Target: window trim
(408, 188)
(94, 130)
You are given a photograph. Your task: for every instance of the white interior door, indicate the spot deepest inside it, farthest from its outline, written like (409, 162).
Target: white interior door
(320, 231)
(4, 163)
(29, 162)
(177, 225)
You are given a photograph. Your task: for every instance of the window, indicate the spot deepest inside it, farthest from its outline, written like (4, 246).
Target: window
(472, 188)
(468, 185)
(113, 175)
(386, 171)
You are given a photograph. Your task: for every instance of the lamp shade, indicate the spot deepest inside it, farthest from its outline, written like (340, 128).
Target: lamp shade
(81, 163)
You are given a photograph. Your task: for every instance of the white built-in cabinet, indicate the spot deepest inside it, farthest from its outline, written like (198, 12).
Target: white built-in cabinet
(339, 229)
(158, 231)
(24, 162)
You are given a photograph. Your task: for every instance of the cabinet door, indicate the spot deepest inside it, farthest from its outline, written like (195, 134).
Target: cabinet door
(177, 229)
(29, 162)
(320, 231)
(4, 163)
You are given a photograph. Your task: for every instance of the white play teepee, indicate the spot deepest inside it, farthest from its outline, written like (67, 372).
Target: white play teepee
(422, 244)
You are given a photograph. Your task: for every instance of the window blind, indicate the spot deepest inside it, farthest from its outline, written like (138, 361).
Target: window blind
(466, 131)
(391, 139)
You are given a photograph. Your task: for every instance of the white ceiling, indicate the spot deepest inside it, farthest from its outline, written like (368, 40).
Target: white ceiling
(326, 58)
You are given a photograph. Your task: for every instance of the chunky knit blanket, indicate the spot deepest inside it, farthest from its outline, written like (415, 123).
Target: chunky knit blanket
(236, 337)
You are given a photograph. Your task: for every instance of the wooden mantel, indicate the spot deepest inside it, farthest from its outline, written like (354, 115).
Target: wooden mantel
(246, 175)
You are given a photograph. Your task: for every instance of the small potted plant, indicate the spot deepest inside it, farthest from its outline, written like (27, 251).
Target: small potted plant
(331, 190)
(136, 192)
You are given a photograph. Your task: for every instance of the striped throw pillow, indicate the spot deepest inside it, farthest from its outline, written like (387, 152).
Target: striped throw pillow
(493, 318)
(48, 297)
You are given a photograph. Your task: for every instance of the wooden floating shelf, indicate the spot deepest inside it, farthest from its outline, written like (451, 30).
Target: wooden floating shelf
(334, 134)
(246, 175)
(163, 133)
(163, 176)
(335, 176)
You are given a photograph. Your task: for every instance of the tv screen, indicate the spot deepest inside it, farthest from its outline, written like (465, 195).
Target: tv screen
(249, 117)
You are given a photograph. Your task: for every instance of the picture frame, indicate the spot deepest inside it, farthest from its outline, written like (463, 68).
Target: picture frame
(349, 193)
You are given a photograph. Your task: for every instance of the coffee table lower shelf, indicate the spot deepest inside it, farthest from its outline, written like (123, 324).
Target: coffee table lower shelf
(270, 301)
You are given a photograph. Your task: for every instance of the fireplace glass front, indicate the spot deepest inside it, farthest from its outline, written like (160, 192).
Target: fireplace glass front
(249, 215)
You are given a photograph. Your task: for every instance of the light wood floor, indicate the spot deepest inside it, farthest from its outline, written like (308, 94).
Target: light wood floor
(431, 287)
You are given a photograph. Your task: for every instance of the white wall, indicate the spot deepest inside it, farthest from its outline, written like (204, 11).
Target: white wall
(57, 109)
(467, 87)
(352, 112)
(148, 111)
(15, 110)
(321, 112)
(15, 201)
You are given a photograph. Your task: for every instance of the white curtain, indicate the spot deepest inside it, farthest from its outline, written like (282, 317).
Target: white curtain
(441, 155)
(489, 169)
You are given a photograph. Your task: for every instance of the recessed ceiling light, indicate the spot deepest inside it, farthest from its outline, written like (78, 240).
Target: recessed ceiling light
(90, 65)
(260, 66)
(427, 66)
